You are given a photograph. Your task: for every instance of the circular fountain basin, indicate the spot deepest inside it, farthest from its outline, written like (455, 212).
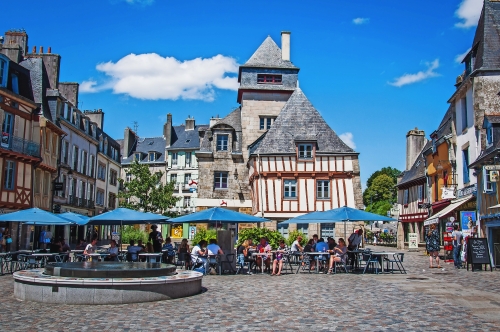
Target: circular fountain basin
(109, 270)
(105, 283)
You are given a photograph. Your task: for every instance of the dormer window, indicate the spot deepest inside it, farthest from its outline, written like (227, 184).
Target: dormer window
(152, 156)
(305, 151)
(137, 156)
(269, 79)
(222, 142)
(3, 72)
(489, 134)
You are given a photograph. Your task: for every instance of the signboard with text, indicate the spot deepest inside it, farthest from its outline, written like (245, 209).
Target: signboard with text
(412, 241)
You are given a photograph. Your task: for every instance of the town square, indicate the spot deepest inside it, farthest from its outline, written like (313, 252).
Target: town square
(222, 166)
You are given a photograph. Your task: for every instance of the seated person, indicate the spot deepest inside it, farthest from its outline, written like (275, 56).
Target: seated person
(338, 254)
(242, 252)
(278, 261)
(113, 252)
(213, 248)
(321, 246)
(81, 245)
(199, 255)
(264, 247)
(168, 251)
(64, 248)
(331, 243)
(296, 247)
(309, 247)
(139, 244)
(132, 251)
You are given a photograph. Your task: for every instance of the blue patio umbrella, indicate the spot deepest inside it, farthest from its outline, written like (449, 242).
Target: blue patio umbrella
(124, 216)
(35, 216)
(79, 219)
(341, 214)
(218, 215)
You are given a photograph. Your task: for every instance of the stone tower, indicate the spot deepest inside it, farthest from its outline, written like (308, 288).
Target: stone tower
(415, 141)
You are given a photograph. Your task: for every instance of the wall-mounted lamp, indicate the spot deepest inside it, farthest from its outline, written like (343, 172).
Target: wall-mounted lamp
(235, 174)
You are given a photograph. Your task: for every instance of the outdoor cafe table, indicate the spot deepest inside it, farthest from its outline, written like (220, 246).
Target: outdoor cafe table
(382, 254)
(316, 256)
(44, 256)
(151, 257)
(262, 260)
(98, 255)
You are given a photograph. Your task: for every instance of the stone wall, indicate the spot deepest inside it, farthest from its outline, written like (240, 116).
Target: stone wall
(486, 101)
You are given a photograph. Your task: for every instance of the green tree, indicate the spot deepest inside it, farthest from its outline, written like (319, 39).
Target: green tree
(292, 236)
(132, 233)
(381, 191)
(256, 233)
(204, 234)
(146, 192)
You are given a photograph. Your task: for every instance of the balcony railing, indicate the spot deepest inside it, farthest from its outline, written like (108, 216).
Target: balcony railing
(21, 145)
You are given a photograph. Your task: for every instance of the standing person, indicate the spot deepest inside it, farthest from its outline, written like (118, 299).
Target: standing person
(8, 240)
(155, 238)
(91, 247)
(354, 241)
(432, 246)
(457, 237)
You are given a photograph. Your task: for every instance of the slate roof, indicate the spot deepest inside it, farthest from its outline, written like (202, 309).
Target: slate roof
(39, 84)
(268, 55)
(299, 120)
(417, 170)
(185, 139)
(145, 145)
(233, 119)
(487, 37)
(111, 142)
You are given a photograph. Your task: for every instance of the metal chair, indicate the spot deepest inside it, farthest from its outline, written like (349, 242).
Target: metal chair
(370, 261)
(341, 265)
(183, 259)
(398, 259)
(227, 260)
(304, 263)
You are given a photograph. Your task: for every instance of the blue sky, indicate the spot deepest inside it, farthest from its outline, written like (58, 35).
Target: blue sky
(374, 69)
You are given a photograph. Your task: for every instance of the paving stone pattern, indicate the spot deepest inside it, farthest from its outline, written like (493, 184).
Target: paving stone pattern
(439, 300)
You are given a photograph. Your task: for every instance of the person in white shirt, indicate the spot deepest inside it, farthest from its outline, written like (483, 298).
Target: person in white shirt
(296, 245)
(214, 249)
(91, 248)
(199, 254)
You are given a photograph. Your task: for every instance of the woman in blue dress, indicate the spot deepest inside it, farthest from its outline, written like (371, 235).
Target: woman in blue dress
(432, 245)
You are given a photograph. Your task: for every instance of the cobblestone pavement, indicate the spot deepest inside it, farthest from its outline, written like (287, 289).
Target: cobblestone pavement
(436, 300)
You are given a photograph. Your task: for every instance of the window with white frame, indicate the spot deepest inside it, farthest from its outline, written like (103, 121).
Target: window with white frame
(62, 192)
(290, 188)
(465, 165)
(266, 122)
(113, 177)
(322, 189)
(305, 151)
(173, 178)
(175, 158)
(406, 196)
(9, 176)
(187, 178)
(137, 157)
(187, 201)
(99, 200)
(152, 156)
(188, 159)
(222, 142)
(84, 162)
(220, 180)
(92, 165)
(75, 157)
(420, 193)
(488, 185)
(283, 230)
(128, 177)
(101, 172)
(303, 228)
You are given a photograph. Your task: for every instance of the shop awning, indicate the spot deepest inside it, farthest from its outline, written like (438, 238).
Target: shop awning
(434, 219)
(494, 206)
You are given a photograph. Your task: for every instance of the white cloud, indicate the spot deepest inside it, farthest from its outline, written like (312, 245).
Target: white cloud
(348, 139)
(459, 57)
(361, 20)
(151, 76)
(420, 76)
(88, 86)
(468, 11)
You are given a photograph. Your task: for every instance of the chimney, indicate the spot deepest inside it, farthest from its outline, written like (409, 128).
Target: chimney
(213, 120)
(189, 123)
(285, 45)
(52, 66)
(167, 130)
(49, 50)
(69, 90)
(15, 45)
(41, 49)
(129, 139)
(415, 141)
(34, 49)
(96, 116)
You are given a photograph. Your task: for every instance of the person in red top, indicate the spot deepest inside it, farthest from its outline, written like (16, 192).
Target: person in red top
(264, 247)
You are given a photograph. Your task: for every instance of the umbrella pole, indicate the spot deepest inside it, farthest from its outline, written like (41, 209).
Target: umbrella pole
(34, 232)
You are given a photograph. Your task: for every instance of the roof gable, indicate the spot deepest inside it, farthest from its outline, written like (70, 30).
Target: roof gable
(268, 55)
(487, 38)
(300, 121)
